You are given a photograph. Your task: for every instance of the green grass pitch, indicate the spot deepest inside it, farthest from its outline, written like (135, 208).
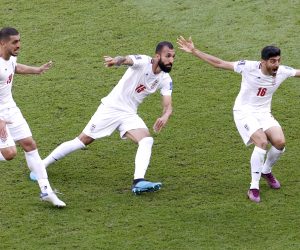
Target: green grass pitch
(199, 156)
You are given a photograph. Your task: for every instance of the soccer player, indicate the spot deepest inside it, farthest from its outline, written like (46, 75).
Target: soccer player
(13, 126)
(252, 108)
(118, 110)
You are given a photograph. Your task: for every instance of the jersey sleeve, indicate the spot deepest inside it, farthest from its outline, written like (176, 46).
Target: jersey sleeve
(14, 62)
(239, 66)
(166, 86)
(139, 61)
(288, 71)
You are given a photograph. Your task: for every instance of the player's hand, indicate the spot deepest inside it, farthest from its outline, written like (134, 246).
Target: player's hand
(109, 61)
(185, 45)
(159, 124)
(3, 132)
(45, 67)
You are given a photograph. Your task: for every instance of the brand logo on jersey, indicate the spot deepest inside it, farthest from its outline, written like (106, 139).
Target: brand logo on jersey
(171, 85)
(154, 84)
(242, 62)
(140, 88)
(246, 127)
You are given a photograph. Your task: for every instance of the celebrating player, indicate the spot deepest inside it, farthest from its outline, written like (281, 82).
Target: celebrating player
(118, 110)
(252, 108)
(13, 126)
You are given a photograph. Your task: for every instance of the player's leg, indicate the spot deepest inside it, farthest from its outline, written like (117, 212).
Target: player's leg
(21, 133)
(276, 137)
(134, 128)
(68, 147)
(252, 133)
(101, 124)
(36, 165)
(7, 154)
(142, 159)
(259, 139)
(8, 149)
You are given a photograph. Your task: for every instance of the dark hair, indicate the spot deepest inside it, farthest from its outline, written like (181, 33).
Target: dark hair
(160, 46)
(269, 51)
(7, 32)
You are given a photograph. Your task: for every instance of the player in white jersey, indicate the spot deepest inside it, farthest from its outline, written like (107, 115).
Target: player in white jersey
(252, 108)
(118, 110)
(13, 126)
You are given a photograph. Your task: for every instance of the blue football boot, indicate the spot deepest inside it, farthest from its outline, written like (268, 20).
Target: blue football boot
(141, 186)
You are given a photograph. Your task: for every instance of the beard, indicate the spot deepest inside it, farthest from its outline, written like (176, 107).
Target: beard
(165, 67)
(273, 71)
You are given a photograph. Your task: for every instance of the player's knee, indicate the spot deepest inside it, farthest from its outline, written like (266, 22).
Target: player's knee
(84, 139)
(263, 144)
(9, 154)
(30, 145)
(279, 144)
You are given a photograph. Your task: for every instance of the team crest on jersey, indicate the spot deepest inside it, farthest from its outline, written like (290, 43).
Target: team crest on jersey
(137, 57)
(246, 127)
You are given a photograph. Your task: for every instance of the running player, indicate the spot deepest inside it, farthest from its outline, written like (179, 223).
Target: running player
(118, 110)
(13, 126)
(252, 108)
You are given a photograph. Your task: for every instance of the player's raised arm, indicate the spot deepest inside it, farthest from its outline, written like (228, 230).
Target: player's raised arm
(187, 45)
(117, 61)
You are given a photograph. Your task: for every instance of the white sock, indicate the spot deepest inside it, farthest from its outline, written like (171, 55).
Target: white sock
(142, 157)
(272, 157)
(257, 161)
(2, 157)
(36, 165)
(62, 150)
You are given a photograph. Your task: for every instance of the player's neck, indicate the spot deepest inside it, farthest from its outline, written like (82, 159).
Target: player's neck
(4, 55)
(155, 68)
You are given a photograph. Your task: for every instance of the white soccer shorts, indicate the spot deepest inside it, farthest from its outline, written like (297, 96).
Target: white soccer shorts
(248, 123)
(17, 128)
(106, 120)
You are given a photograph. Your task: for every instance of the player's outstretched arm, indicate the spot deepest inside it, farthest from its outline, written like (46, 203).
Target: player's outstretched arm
(167, 111)
(187, 45)
(297, 73)
(117, 61)
(25, 69)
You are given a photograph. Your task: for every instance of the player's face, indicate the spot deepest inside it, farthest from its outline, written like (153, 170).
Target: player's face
(166, 59)
(271, 65)
(12, 45)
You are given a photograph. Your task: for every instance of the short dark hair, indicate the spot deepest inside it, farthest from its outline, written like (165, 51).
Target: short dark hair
(270, 51)
(7, 32)
(160, 46)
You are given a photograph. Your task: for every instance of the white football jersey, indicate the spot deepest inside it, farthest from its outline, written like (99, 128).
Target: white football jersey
(256, 88)
(7, 71)
(138, 82)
